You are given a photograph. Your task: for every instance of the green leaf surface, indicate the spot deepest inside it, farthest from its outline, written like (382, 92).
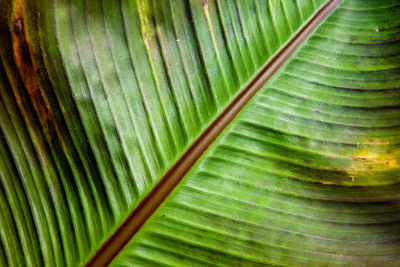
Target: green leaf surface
(308, 173)
(98, 99)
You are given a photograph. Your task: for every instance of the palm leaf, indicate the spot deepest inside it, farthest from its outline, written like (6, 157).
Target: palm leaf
(99, 99)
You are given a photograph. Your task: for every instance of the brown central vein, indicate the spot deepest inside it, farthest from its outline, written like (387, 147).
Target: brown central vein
(172, 178)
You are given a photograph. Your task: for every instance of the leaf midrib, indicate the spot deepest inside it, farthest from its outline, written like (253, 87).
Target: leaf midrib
(171, 179)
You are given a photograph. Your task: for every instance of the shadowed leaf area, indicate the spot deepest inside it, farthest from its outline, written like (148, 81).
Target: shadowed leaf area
(99, 99)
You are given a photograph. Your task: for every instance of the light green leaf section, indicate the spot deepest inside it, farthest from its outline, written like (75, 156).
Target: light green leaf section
(110, 95)
(308, 173)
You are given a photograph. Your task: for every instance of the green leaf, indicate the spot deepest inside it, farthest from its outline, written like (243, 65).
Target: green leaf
(98, 99)
(308, 173)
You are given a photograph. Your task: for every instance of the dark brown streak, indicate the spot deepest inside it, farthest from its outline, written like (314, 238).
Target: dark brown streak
(169, 181)
(19, 31)
(27, 69)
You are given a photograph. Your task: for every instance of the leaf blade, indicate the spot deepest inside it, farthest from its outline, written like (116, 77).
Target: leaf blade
(116, 106)
(296, 178)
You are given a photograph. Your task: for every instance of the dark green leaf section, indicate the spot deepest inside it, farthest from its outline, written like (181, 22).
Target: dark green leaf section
(98, 99)
(308, 173)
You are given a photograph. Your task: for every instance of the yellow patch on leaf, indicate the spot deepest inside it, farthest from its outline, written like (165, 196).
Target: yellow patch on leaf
(374, 156)
(144, 14)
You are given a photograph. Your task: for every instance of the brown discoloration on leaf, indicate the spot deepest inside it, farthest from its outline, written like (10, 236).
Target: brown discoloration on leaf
(28, 70)
(23, 46)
